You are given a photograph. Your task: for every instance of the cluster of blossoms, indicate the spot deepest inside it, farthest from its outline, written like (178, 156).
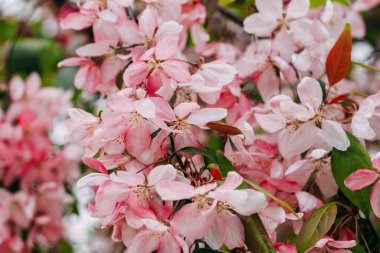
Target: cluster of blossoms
(33, 172)
(160, 186)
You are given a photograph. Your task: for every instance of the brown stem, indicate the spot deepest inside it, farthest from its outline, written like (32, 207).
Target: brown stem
(230, 15)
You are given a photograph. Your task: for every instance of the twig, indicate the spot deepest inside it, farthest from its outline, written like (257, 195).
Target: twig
(230, 15)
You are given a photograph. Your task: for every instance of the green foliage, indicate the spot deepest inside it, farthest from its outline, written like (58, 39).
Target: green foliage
(316, 226)
(256, 237)
(8, 29)
(225, 165)
(64, 77)
(343, 163)
(34, 55)
(318, 3)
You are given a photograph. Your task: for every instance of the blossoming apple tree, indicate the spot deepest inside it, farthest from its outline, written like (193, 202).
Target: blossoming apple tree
(208, 145)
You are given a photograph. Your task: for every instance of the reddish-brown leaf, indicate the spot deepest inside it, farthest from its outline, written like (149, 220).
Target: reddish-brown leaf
(339, 59)
(338, 99)
(223, 128)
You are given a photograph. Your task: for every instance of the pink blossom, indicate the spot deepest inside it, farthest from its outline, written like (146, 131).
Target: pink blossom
(271, 15)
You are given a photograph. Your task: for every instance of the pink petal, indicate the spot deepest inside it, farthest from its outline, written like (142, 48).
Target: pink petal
(137, 137)
(145, 107)
(128, 178)
(74, 61)
(92, 179)
(234, 231)
(310, 92)
(256, 202)
(135, 74)
(105, 32)
(360, 179)
(107, 15)
(166, 47)
(177, 70)
(283, 45)
(184, 109)
(296, 142)
(133, 35)
(361, 127)
(162, 172)
(268, 83)
(217, 233)
(333, 133)
(95, 164)
(271, 122)
(203, 116)
(120, 103)
(342, 244)
(148, 22)
(32, 83)
(77, 21)
(297, 9)
(259, 24)
(172, 190)
(286, 69)
(16, 88)
(93, 50)
(284, 185)
(168, 244)
(270, 8)
(306, 201)
(375, 199)
(232, 181)
(169, 28)
(143, 242)
(184, 220)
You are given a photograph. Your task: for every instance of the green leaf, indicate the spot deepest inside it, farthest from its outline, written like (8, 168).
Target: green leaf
(226, 2)
(316, 3)
(323, 87)
(225, 165)
(344, 2)
(8, 29)
(256, 237)
(316, 226)
(195, 151)
(375, 222)
(343, 163)
(358, 249)
(269, 195)
(204, 251)
(39, 55)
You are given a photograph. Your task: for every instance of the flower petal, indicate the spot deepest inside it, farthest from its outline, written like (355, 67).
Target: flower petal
(360, 179)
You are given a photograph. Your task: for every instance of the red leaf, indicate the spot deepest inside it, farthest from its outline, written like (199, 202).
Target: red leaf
(338, 99)
(339, 59)
(223, 128)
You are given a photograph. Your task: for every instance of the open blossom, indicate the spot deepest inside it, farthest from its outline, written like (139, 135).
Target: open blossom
(305, 123)
(271, 15)
(186, 118)
(260, 60)
(211, 210)
(198, 134)
(209, 80)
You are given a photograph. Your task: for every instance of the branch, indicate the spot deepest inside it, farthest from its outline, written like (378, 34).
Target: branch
(230, 15)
